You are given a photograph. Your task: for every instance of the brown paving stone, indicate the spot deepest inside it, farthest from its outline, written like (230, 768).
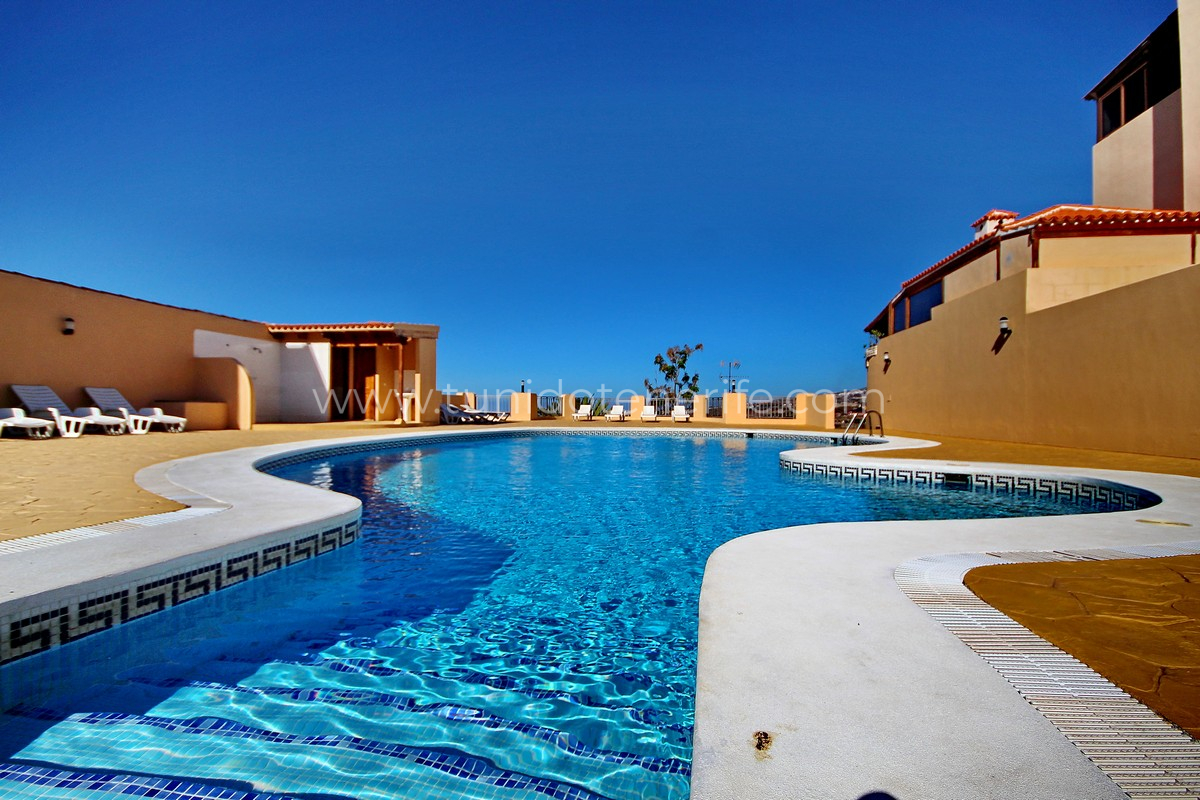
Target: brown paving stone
(1136, 622)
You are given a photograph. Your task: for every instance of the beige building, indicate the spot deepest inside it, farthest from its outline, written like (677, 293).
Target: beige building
(1070, 326)
(218, 371)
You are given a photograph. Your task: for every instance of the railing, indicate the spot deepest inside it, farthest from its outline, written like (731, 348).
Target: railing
(663, 406)
(855, 426)
(549, 405)
(716, 407)
(775, 408)
(494, 402)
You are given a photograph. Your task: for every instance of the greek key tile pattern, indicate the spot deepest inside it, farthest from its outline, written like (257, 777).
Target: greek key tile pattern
(1112, 496)
(33, 632)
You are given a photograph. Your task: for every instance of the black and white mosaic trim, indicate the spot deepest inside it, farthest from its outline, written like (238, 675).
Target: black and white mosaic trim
(38, 630)
(1102, 493)
(35, 630)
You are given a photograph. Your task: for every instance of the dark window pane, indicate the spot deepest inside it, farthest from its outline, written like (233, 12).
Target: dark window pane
(1135, 94)
(921, 304)
(1110, 112)
(898, 319)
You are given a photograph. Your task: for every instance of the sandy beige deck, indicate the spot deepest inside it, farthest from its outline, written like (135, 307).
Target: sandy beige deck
(1135, 622)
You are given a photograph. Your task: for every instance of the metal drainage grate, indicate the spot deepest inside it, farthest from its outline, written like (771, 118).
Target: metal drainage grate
(1146, 756)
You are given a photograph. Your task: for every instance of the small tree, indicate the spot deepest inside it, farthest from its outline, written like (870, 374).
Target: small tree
(677, 384)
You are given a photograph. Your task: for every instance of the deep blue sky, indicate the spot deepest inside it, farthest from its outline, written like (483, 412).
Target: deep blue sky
(566, 188)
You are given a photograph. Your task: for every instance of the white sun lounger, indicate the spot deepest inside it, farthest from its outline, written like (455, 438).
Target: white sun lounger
(486, 416)
(41, 401)
(616, 414)
(680, 414)
(34, 428)
(112, 401)
(584, 412)
(649, 414)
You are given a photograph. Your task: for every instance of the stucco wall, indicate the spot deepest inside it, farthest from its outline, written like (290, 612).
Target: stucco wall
(1105, 372)
(1080, 267)
(260, 358)
(1140, 165)
(1189, 67)
(143, 349)
(968, 278)
(304, 382)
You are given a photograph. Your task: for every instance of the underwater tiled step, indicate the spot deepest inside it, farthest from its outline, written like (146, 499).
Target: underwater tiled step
(30, 782)
(270, 761)
(606, 722)
(513, 745)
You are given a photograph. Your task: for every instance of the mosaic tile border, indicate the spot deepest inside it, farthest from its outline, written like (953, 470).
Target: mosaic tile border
(456, 765)
(127, 785)
(1142, 753)
(33, 631)
(460, 714)
(1104, 493)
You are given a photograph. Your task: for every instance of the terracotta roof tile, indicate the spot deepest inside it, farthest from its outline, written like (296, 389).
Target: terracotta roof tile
(1100, 216)
(982, 240)
(1066, 216)
(340, 327)
(995, 213)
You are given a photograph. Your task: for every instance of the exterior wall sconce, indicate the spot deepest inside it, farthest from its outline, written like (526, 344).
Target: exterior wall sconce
(887, 359)
(1005, 329)
(68, 326)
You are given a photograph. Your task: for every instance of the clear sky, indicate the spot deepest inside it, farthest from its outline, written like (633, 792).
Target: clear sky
(567, 188)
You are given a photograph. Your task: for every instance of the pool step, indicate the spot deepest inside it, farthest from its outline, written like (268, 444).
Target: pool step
(275, 761)
(634, 713)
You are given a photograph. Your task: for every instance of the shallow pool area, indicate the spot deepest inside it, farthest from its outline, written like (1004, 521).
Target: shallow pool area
(517, 620)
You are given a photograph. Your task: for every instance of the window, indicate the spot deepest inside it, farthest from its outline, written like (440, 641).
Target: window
(1145, 78)
(921, 304)
(1123, 103)
(898, 315)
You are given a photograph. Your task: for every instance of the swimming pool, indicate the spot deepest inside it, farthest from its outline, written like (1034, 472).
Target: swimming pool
(517, 621)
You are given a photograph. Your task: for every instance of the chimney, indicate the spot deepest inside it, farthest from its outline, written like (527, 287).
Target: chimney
(991, 222)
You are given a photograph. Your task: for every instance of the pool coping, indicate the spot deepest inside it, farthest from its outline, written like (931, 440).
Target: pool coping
(860, 683)
(240, 523)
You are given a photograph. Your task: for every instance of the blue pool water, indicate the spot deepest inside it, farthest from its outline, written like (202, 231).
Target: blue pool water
(517, 621)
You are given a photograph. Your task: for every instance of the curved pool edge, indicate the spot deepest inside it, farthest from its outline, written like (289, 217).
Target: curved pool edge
(863, 684)
(238, 523)
(109, 576)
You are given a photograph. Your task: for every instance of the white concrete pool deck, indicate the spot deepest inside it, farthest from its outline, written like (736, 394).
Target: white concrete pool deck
(804, 633)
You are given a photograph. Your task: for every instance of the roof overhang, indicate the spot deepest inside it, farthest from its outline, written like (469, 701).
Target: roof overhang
(354, 332)
(1056, 221)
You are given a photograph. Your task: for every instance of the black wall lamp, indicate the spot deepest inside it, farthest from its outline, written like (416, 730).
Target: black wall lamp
(1005, 328)
(887, 359)
(68, 326)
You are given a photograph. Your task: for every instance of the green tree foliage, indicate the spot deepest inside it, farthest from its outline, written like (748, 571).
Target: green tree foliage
(677, 382)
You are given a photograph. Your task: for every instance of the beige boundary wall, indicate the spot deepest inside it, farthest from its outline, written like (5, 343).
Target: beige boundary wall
(143, 349)
(1111, 371)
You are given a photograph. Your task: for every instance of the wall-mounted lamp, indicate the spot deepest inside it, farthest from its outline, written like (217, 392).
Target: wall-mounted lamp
(1005, 330)
(887, 359)
(68, 328)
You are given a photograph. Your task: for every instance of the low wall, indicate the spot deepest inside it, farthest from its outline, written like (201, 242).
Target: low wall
(1108, 372)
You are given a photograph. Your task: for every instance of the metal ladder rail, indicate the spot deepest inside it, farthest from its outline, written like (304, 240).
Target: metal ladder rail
(871, 425)
(853, 427)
